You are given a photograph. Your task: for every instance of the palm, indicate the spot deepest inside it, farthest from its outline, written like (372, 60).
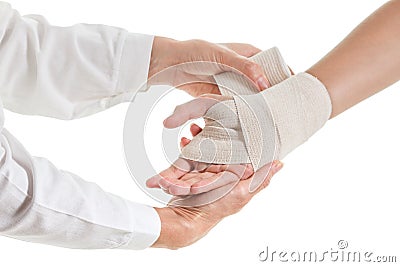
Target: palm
(212, 177)
(187, 177)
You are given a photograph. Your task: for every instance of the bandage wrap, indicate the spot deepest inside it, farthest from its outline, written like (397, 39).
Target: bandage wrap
(274, 67)
(258, 127)
(222, 140)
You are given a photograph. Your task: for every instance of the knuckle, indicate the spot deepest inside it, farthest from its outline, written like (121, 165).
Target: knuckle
(240, 193)
(249, 50)
(251, 68)
(222, 57)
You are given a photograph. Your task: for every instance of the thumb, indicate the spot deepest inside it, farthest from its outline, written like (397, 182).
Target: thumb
(267, 172)
(193, 109)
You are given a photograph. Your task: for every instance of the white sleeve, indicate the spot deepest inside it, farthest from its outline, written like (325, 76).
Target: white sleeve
(68, 72)
(40, 203)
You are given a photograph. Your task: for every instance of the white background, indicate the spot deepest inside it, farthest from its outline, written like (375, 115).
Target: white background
(342, 184)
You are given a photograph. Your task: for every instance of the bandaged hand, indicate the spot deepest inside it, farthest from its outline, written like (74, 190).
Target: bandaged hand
(254, 128)
(186, 176)
(292, 110)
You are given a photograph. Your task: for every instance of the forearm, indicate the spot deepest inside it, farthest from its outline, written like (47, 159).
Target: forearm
(365, 62)
(40, 203)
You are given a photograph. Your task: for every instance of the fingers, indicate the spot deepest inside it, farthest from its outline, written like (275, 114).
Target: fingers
(153, 182)
(184, 142)
(246, 67)
(177, 179)
(266, 172)
(213, 182)
(182, 186)
(259, 176)
(240, 195)
(206, 179)
(191, 110)
(195, 129)
(224, 174)
(203, 199)
(175, 188)
(229, 198)
(179, 168)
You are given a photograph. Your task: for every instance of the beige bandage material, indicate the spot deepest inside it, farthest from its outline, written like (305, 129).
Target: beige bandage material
(222, 140)
(256, 128)
(292, 110)
(273, 64)
(297, 108)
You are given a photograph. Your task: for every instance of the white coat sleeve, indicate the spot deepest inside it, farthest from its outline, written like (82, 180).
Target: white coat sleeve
(40, 203)
(68, 72)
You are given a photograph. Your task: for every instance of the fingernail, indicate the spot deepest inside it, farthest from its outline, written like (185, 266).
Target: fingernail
(263, 83)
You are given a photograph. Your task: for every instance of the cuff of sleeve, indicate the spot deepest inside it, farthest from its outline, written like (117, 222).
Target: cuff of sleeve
(135, 62)
(146, 227)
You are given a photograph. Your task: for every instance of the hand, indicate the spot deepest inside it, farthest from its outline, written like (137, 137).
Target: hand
(168, 56)
(181, 227)
(187, 177)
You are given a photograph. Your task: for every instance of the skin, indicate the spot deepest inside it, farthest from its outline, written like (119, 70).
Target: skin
(196, 177)
(172, 63)
(365, 62)
(182, 226)
(166, 67)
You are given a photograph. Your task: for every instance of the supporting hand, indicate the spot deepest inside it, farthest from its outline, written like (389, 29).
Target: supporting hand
(181, 226)
(204, 60)
(187, 177)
